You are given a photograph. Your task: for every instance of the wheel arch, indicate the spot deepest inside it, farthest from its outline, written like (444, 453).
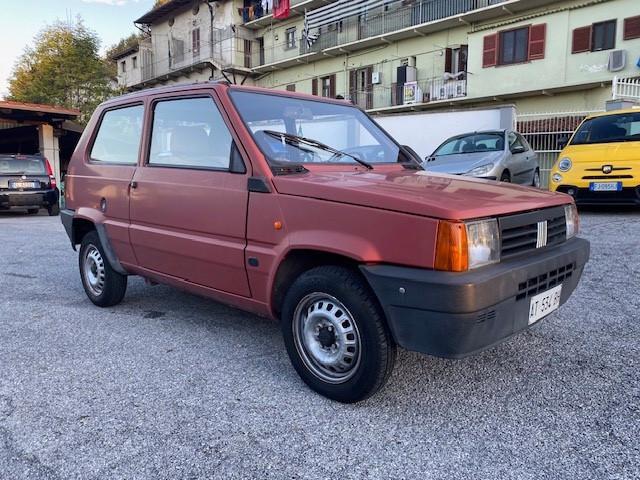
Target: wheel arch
(295, 263)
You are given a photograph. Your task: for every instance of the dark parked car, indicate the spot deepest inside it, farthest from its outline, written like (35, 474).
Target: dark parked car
(27, 183)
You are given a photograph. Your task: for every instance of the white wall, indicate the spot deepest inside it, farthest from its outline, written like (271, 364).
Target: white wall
(424, 132)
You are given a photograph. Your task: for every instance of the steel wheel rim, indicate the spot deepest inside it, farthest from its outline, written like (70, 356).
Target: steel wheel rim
(93, 270)
(536, 179)
(327, 338)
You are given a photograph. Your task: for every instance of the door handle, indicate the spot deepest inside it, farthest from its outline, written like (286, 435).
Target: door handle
(133, 184)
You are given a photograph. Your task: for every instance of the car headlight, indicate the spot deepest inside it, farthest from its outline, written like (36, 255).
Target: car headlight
(573, 220)
(483, 242)
(557, 178)
(480, 171)
(465, 246)
(564, 165)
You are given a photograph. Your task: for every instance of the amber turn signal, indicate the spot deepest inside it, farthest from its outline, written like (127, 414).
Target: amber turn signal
(452, 251)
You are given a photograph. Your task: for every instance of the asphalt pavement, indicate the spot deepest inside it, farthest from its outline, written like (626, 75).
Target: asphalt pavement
(168, 385)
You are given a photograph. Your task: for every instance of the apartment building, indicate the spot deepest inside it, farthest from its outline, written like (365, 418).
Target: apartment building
(398, 55)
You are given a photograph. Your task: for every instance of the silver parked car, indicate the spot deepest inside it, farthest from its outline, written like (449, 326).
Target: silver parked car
(495, 155)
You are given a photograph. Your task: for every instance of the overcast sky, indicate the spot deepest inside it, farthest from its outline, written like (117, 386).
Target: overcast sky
(20, 21)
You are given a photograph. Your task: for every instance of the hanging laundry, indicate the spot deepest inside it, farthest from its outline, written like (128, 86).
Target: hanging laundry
(281, 9)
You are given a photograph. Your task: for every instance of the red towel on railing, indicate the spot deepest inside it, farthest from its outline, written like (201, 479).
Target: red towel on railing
(281, 9)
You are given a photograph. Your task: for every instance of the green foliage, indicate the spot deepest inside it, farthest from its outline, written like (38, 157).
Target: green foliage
(159, 3)
(63, 67)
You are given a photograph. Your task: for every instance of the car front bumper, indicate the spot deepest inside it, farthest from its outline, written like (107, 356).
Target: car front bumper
(584, 196)
(454, 315)
(10, 199)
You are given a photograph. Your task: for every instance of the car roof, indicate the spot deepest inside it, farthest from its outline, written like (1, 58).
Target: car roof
(615, 112)
(141, 94)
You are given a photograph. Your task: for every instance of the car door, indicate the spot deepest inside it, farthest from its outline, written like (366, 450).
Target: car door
(110, 163)
(518, 162)
(188, 208)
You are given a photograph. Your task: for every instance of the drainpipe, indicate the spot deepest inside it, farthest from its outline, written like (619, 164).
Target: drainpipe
(211, 15)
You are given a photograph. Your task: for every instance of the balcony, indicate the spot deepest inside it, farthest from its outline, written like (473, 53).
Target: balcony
(380, 26)
(258, 18)
(410, 96)
(227, 50)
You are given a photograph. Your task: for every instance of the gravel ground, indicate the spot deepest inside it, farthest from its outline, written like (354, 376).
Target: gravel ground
(169, 385)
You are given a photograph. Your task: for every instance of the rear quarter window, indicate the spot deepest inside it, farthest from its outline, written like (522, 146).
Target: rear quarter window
(118, 137)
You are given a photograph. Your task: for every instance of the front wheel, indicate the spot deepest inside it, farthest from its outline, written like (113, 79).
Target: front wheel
(103, 285)
(54, 210)
(336, 335)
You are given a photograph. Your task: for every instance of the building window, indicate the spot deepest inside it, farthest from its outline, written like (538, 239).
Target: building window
(603, 36)
(195, 41)
(326, 87)
(514, 46)
(291, 87)
(456, 60)
(594, 38)
(134, 62)
(290, 35)
(123, 66)
(326, 83)
(631, 28)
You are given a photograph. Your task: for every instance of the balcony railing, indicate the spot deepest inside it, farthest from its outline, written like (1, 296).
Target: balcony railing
(421, 92)
(381, 22)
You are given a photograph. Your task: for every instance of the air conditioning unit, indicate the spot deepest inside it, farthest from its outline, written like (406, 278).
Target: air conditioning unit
(617, 60)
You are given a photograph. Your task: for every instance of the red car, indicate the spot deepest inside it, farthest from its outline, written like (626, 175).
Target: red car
(304, 210)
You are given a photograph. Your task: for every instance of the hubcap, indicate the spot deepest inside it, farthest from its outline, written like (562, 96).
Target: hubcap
(93, 270)
(326, 337)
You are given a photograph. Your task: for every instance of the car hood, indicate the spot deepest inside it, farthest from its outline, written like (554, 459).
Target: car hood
(418, 192)
(461, 163)
(604, 152)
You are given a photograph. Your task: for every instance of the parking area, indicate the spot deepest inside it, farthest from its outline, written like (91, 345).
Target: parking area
(169, 385)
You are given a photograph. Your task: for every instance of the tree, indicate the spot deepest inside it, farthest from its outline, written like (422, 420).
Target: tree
(62, 68)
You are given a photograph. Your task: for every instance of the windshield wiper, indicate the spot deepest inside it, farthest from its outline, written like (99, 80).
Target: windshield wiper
(289, 138)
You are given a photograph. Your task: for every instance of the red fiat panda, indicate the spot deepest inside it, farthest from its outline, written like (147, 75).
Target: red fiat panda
(304, 210)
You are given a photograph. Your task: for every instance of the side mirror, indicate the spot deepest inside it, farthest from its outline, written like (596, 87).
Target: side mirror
(410, 152)
(517, 150)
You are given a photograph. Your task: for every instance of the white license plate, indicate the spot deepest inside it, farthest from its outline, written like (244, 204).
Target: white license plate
(606, 186)
(24, 184)
(544, 303)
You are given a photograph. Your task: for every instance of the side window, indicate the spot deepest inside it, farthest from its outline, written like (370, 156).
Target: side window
(514, 142)
(524, 143)
(189, 133)
(118, 138)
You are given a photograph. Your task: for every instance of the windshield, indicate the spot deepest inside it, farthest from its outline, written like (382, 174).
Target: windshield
(611, 128)
(22, 166)
(474, 143)
(313, 131)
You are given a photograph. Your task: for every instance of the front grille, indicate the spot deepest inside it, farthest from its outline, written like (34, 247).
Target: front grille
(606, 177)
(544, 282)
(519, 233)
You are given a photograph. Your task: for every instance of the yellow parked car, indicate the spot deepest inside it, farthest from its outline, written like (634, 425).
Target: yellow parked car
(601, 162)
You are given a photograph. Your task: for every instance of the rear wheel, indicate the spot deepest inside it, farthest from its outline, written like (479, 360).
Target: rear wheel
(104, 286)
(505, 177)
(336, 335)
(33, 211)
(54, 210)
(536, 179)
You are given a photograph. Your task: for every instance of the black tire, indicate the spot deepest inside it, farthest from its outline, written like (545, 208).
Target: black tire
(505, 177)
(376, 351)
(54, 210)
(113, 284)
(536, 182)
(33, 211)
